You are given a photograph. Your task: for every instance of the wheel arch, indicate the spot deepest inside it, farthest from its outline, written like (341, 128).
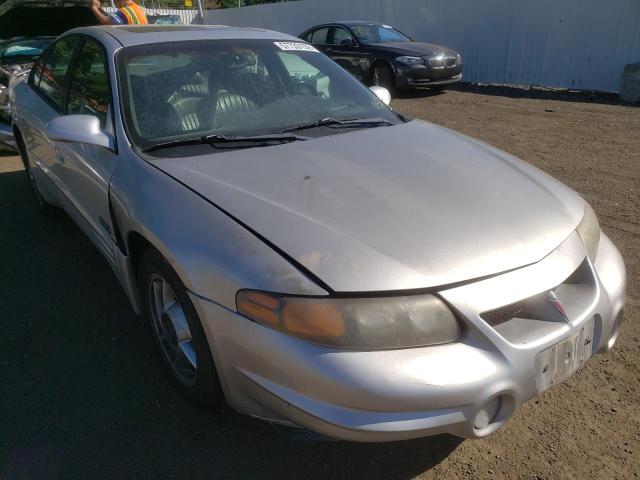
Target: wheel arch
(128, 257)
(136, 245)
(382, 61)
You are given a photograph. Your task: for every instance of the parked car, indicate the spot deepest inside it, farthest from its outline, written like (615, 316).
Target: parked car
(27, 27)
(305, 252)
(16, 57)
(164, 19)
(381, 55)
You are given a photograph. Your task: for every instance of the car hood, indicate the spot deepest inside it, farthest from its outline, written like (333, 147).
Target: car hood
(417, 49)
(391, 208)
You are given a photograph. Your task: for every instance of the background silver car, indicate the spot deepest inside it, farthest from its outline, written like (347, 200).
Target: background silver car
(302, 250)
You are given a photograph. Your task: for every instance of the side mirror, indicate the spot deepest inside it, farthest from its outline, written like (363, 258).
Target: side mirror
(78, 129)
(347, 42)
(382, 93)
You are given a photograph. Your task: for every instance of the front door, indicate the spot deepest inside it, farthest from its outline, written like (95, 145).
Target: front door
(44, 101)
(345, 51)
(87, 168)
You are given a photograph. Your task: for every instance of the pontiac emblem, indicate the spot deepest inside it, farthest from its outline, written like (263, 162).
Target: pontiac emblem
(553, 299)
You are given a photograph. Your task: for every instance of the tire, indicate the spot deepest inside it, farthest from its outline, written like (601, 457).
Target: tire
(178, 332)
(45, 207)
(383, 76)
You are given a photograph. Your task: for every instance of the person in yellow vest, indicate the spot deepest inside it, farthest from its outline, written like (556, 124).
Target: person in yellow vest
(128, 12)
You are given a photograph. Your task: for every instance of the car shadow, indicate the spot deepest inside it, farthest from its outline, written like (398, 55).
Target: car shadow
(423, 93)
(561, 95)
(84, 393)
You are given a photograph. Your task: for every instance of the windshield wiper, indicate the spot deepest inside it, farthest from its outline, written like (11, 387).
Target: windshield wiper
(218, 140)
(334, 123)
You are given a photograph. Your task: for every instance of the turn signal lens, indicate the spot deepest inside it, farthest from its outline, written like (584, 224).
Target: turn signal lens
(362, 323)
(313, 319)
(259, 306)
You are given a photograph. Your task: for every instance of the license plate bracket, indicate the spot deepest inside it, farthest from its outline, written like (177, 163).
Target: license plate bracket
(558, 362)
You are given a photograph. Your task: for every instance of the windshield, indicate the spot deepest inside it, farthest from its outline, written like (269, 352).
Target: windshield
(374, 33)
(23, 49)
(179, 90)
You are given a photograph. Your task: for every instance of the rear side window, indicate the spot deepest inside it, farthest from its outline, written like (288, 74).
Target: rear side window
(320, 36)
(54, 71)
(89, 92)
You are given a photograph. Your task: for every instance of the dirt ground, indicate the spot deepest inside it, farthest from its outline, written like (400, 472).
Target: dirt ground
(82, 393)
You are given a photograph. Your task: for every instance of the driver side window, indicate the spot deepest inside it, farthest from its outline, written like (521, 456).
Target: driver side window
(340, 35)
(89, 92)
(51, 81)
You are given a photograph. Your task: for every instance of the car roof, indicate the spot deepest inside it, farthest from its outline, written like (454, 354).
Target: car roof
(358, 22)
(129, 35)
(346, 23)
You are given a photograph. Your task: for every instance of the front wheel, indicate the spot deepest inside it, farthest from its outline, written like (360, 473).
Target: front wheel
(383, 76)
(178, 332)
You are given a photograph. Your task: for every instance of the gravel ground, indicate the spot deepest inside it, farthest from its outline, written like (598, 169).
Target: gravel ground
(83, 395)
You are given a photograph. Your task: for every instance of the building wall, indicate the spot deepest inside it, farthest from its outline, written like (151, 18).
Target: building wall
(576, 44)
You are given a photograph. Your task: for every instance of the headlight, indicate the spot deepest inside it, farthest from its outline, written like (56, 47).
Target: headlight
(589, 231)
(437, 62)
(410, 60)
(359, 323)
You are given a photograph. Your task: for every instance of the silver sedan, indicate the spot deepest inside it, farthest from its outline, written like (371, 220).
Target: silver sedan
(304, 252)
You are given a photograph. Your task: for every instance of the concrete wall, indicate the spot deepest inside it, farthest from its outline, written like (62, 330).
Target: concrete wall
(577, 44)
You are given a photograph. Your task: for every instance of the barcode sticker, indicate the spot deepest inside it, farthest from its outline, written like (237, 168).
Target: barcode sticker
(295, 47)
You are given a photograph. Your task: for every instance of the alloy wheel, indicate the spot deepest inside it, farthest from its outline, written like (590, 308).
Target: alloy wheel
(172, 330)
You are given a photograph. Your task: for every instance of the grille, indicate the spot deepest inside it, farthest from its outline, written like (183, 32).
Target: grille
(503, 314)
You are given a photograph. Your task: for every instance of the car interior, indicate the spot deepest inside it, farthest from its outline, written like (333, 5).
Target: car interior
(216, 93)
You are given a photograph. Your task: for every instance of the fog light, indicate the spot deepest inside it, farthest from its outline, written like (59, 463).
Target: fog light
(487, 414)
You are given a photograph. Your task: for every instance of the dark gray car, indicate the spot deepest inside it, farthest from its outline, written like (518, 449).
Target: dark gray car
(381, 55)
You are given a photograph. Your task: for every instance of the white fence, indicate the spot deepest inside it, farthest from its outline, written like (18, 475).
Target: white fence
(187, 16)
(576, 44)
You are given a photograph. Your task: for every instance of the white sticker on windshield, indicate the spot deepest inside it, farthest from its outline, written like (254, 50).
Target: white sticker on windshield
(295, 47)
(387, 26)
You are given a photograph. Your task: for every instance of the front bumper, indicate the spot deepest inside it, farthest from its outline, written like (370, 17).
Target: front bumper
(422, 76)
(414, 392)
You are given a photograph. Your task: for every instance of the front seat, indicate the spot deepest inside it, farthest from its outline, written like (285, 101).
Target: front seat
(214, 110)
(229, 103)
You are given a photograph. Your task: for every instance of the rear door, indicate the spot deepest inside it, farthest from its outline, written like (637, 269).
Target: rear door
(87, 169)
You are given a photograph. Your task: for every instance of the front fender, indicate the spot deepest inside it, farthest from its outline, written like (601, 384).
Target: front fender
(213, 254)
